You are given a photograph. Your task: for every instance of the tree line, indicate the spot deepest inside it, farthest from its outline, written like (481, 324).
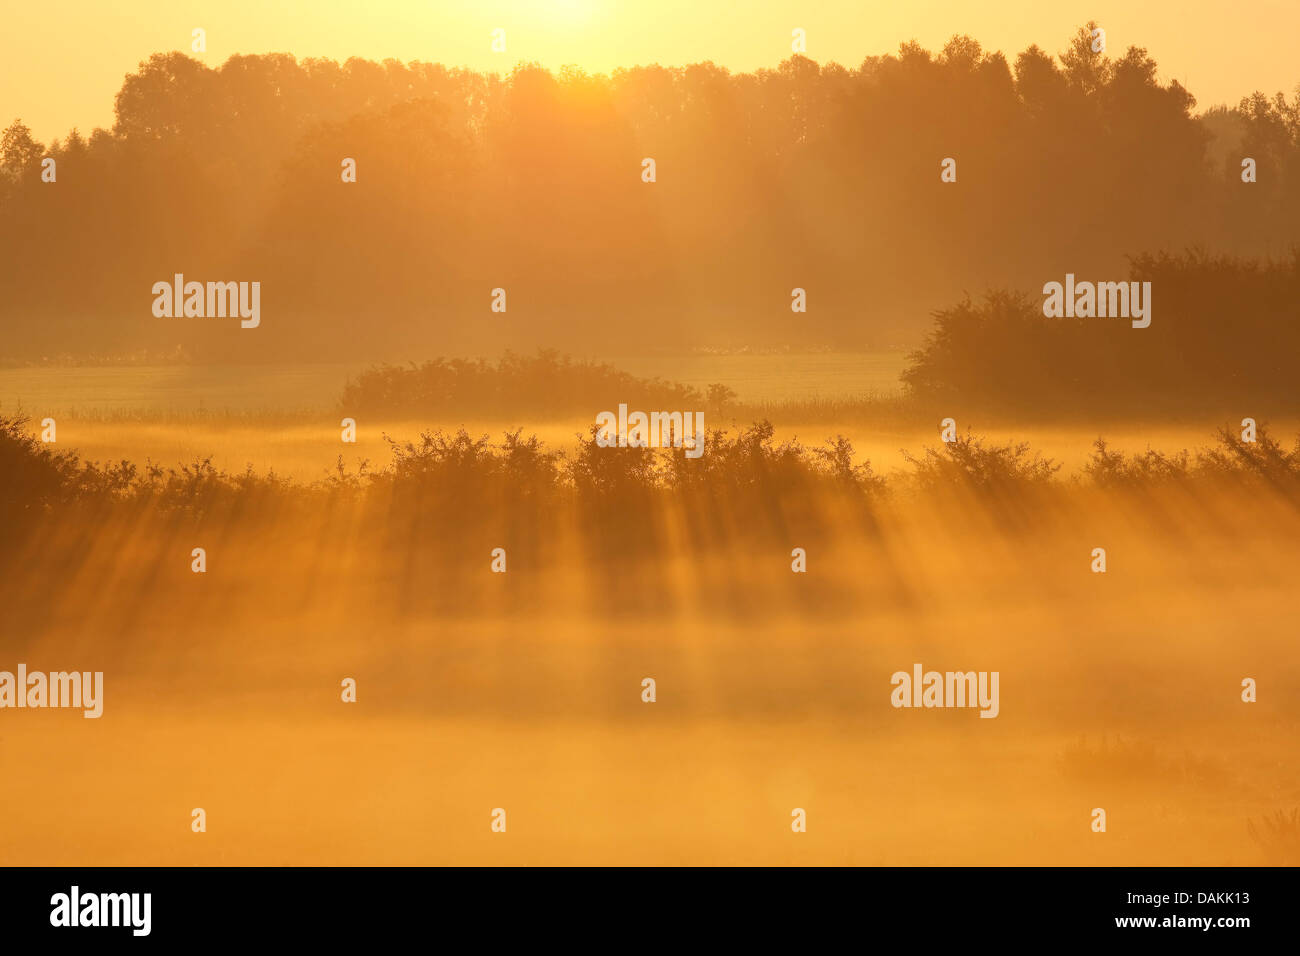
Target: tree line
(817, 176)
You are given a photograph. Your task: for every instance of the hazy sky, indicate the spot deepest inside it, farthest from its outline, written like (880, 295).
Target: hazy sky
(61, 64)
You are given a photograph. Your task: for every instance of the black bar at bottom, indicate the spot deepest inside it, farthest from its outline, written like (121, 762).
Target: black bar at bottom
(660, 906)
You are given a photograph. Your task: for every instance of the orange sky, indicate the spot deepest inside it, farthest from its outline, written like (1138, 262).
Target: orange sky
(61, 65)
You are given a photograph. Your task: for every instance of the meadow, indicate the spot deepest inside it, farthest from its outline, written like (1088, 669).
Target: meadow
(523, 690)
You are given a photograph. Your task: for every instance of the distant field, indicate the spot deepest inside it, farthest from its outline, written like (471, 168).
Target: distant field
(779, 378)
(173, 389)
(186, 389)
(285, 417)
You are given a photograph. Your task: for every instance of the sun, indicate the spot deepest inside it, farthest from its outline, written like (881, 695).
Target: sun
(569, 11)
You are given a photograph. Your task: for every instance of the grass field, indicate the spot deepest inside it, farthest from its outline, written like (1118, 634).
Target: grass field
(522, 690)
(222, 692)
(280, 389)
